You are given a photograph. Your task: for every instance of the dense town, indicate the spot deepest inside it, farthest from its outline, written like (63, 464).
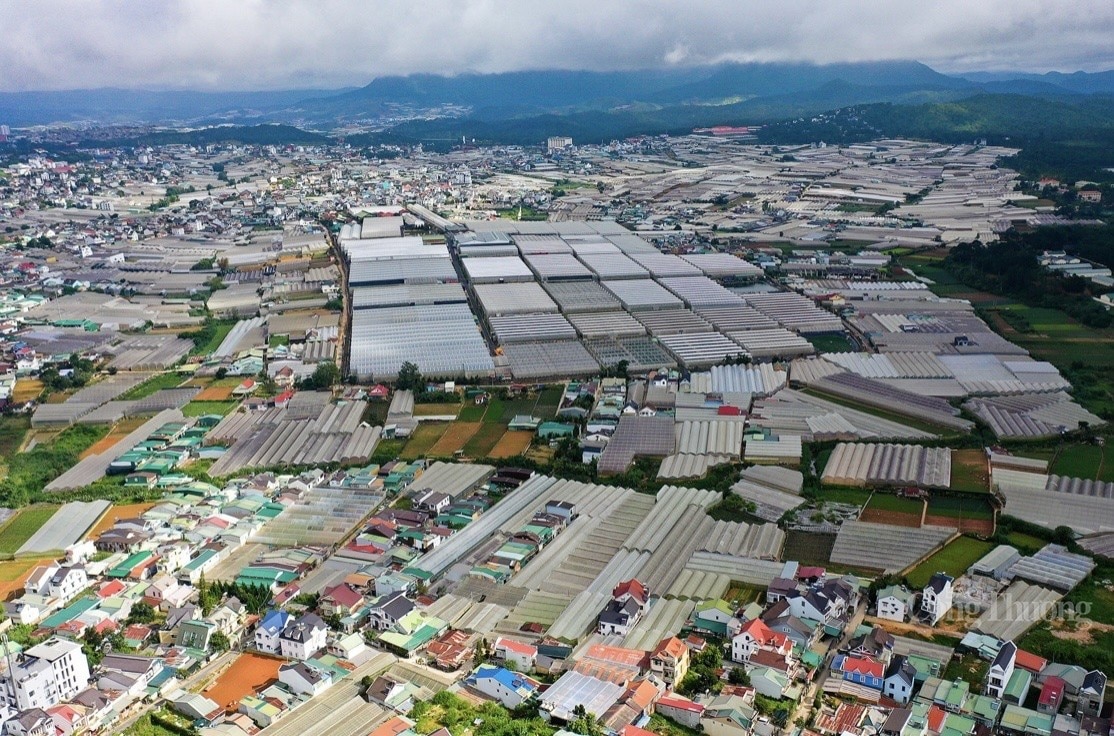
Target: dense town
(672, 435)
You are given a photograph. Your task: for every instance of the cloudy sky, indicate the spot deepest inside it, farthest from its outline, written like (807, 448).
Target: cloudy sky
(274, 44)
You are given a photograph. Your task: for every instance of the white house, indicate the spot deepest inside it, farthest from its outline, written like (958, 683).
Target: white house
(936, 598)
(512, 689)
(518, 654)
(894, 603)
(49, 673)
(269, 630)
(900, 679)
(304, 637)
(1001, 670)
(304, 679)
(387, 610)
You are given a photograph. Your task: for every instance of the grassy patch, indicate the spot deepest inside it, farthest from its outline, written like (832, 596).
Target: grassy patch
(29, 472)
(893, 502)
(1099, 597)
(549, 400)
(387, 450)
(663, 726)
(856, 496)
(200, 408)
(1078, 461)
(835, 343)
(278, 340)
(210, 338)
(21, 526)
(376, 412)
(953, 559)
(969, 667)
(1025, 543)
(969, 471)
(484, 440)
(423, 438)
(12, 432)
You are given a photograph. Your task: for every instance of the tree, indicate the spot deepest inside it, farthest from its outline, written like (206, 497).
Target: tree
(207, 596)
(219, 642)
(738, 676)
(585, 723)
(324, 376)
(141, 613)
(410, 378)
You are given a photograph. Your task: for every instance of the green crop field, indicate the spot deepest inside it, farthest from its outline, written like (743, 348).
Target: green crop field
(485, 438)
(151, 385)
(1083, 461)
(200, 408)
(19, 528)
(892, 502)
(856, 496)
(838, 343)
(960, 507)
(423, 438)
(954, 559)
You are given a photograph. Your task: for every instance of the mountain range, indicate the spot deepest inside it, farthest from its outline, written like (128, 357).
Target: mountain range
(767, 92)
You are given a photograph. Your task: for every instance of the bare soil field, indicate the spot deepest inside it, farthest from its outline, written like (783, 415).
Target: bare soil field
(897, 518)
(512, 444)
(246, 674)
(116, 513)
(214, 393)
(122, 429)
(454, 438)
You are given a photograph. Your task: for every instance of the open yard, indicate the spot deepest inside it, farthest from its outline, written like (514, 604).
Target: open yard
(511, 444)
(970, 471)
(954, 559)
(116, 513)
(246, 674)
(423, 438)
(855, 496)
(21, 526)
(455, 438)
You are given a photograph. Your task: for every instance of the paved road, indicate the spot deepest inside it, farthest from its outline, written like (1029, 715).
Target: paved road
(804, 707)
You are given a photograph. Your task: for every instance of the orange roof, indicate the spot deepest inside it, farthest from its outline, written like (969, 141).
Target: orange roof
(393, 727)
(518, 647)
(758, 629)
(936, 718)
(642, 695)
(632, 587)
(1029, 661)
(671, 646)
(629, 730)
(617, 655)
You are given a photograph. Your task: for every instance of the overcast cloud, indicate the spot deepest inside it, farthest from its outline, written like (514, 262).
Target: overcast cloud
(273, 44)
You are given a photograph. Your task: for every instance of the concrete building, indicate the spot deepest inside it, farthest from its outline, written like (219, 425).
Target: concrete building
(45, 675)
